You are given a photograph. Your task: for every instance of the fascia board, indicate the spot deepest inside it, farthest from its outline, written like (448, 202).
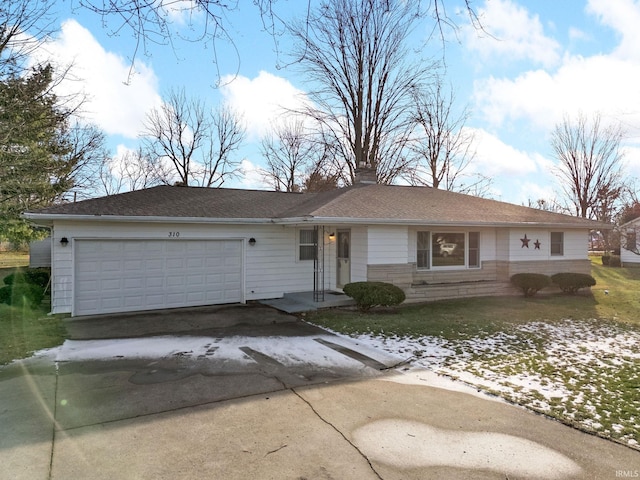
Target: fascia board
(412, 222)
(49, 218)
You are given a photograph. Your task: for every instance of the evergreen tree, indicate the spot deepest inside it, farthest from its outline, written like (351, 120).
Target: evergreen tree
(34, 166)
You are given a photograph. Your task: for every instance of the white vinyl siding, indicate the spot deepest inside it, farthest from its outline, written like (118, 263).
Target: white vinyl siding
(388, 245)
(270, 266)
(359, 250)
(575, 244)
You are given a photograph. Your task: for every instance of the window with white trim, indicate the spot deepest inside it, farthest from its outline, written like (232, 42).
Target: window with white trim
(474, 250)
(307, 243)
(557, 243)
(631, 241)
(447, 250)
(423, 259)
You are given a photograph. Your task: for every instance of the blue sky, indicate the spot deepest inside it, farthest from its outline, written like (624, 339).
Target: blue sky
(543, 59)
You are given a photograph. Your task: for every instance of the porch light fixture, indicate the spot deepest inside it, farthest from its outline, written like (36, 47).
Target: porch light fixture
(332, 235)
(252, 241)
(64, 241)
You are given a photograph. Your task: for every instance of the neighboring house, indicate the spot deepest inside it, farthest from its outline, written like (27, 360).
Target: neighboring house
(184, 246)
(630, 243)
(40, 253)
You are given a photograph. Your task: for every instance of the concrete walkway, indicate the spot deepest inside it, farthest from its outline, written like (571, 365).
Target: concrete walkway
(80, 425)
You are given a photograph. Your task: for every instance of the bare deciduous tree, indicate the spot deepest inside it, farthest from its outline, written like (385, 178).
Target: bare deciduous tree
(443, 148)
(132, 171)
(354, 54)
(24, 26)
(207, 21)
(590, 170)
(294, 155)
(87, 152)
(197, 142)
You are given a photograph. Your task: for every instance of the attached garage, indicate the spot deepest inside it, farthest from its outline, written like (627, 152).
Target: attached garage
(132, 275)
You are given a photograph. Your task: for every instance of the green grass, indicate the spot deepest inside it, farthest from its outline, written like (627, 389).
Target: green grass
(13, 259)
(585, 347)
(24, 331)
(471, 317)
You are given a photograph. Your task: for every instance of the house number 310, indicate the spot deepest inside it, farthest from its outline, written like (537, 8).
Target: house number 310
(174, 234)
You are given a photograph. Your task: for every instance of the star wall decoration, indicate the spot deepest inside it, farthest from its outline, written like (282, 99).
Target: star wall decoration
(537, 244)
(525, 241)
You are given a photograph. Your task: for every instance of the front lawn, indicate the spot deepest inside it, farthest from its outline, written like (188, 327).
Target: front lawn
(24, 331)
(575, 358)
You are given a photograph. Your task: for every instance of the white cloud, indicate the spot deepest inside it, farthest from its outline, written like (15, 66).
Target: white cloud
(534, 191)
(514, 34)
(252, 177)
(632, 160)
(496, 158)
(624, 17)
(595, 84)
(262, 101)
(114, 105)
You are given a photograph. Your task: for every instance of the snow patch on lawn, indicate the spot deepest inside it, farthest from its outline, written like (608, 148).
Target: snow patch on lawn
(579, 371)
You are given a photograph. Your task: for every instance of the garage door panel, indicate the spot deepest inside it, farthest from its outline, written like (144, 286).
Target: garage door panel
(128, 275)
(133, 264)
(154, 282)
(175, 263)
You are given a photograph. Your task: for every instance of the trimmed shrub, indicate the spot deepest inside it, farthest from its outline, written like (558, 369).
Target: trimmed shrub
(16, 277)
(374, 294)
(22, 294)
(605, 260)
(572, 282)
(530, 283)
(33, 276)
(38, 276)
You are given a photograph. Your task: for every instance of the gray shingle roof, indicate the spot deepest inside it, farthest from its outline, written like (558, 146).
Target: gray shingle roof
(373, 203)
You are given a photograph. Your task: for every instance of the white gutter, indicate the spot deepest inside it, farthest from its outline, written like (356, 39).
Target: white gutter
(398, 222)
(47, 219)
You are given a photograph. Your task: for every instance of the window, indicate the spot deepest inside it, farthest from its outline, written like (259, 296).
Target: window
(631, 242)
(307, 244)
(447, 249)
(424, 252)
(557, 243)
(474, 249)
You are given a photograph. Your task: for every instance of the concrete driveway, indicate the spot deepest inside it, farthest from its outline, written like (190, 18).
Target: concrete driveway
(248, 392)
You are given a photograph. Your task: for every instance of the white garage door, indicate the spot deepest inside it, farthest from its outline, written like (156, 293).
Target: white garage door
(130, 275)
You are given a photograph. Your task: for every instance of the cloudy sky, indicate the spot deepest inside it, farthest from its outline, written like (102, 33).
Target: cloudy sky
(535, 61)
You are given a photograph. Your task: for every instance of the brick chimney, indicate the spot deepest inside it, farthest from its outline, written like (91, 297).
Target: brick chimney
(365, 175)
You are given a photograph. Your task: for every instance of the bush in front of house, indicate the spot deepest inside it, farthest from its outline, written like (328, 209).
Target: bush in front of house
(530, 283)
(22, 295)
(25, 288)
(572, 282)
(374, 294)
(33, 276)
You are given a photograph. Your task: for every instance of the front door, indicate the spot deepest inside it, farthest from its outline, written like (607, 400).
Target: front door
(344, 258)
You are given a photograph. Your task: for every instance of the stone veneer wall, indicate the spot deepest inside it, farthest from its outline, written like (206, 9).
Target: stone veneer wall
(490, 280)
